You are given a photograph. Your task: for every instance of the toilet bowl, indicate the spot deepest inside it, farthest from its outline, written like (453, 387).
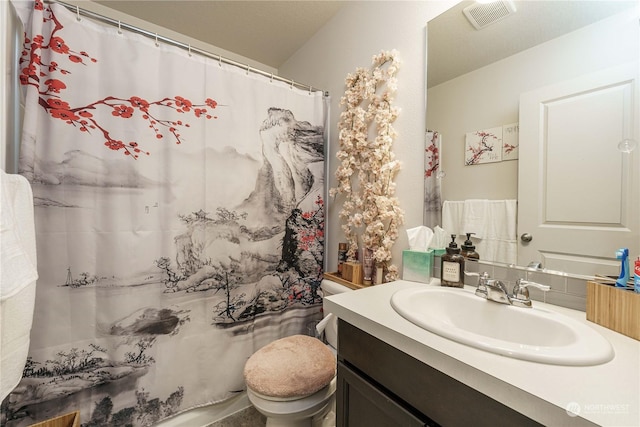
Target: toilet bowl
(280, 384)
(316, 410)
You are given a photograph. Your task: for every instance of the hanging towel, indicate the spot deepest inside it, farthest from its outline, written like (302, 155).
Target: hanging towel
(452, 214)
(18, 274)
(497, 237)
(493, 223)
(475, 217)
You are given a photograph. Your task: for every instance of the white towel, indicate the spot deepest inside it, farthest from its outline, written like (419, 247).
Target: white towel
(493, 223)
(475, 217)
(17, 234)
(496, 232)
(452, 212)
(18, 274)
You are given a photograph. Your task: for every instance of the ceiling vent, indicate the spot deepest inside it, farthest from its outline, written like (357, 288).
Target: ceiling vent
(482, 15)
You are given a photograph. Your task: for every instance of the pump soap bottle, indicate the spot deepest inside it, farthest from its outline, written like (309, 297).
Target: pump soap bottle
(452, 266)
(469, 249)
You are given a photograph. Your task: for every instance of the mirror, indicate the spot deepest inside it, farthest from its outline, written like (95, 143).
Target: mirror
(475, 79)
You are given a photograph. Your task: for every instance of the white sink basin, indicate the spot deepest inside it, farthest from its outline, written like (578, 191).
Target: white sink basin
(533, 334)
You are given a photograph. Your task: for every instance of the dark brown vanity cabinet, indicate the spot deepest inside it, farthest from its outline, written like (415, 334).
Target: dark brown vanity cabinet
(380, 386)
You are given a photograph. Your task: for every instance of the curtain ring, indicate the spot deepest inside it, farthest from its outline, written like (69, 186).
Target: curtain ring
(119, 27)
(271, 79)
(189, 49)
(291, 83)
(78, 12)
(310, 89)
(157, 44)
(248, 69)
(220, 60)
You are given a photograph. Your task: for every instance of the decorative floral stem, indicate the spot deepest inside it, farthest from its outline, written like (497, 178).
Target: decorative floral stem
(367, 166)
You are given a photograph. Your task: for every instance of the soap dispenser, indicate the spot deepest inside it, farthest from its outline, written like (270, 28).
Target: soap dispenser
(469, 249)
(452, 266)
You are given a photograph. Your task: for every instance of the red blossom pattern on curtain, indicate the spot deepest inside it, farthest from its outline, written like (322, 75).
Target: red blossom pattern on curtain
(47, 79)
(432, 157)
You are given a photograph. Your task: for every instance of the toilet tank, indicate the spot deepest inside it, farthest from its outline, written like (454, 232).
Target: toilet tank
(331, 331)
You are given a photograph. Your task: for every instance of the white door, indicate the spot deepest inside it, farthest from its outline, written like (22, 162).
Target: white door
(578, 195)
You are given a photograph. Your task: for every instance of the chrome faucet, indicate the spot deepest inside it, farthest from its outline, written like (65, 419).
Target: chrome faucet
(521, 293)
(495, 290)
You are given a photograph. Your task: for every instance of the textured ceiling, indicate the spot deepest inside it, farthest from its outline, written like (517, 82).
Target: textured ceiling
(455, 47)
(269, 32)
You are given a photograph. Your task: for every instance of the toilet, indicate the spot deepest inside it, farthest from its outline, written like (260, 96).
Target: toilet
(280, 384)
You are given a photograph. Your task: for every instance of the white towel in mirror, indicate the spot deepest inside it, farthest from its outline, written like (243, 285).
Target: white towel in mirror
(492, 221)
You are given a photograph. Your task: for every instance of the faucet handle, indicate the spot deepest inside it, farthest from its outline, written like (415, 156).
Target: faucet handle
(521, 292)
(483, 278)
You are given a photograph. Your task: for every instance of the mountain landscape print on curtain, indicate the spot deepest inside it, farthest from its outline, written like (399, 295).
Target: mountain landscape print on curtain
(174, 238)
(276, 234)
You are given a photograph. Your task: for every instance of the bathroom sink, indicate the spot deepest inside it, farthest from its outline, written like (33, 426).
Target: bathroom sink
(533, 334)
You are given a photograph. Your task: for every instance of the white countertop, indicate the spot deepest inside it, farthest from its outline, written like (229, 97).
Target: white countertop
(607, 394)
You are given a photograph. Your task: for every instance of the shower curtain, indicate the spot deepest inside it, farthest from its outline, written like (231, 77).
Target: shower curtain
(432, 176)
(179, 221)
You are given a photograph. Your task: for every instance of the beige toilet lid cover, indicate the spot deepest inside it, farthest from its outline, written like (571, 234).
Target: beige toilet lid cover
(298, 365)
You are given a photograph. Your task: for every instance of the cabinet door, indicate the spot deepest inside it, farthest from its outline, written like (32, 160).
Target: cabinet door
(361, 404)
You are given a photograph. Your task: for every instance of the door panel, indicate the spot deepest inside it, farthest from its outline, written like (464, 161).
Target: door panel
(578, 195)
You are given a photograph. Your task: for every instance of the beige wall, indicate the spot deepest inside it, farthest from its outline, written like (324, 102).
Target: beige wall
(490, 96)
(362, 29)
(357, 32)
(10, 35)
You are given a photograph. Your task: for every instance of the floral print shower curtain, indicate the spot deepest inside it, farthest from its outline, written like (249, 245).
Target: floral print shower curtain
(179, 221)
(432, 176)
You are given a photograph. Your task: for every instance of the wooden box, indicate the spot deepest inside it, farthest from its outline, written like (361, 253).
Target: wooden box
(614, 308)
(71, 419)
(352, 271)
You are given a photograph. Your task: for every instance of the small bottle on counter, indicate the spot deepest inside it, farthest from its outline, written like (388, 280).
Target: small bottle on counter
(368, 264)
(452, 266)
(636, 276)
(469, 250)
(342, 257)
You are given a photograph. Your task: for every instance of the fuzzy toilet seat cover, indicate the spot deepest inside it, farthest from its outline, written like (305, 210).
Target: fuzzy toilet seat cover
(294, 366)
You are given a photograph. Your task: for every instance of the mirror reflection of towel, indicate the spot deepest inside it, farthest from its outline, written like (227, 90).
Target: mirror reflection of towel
(492, 221)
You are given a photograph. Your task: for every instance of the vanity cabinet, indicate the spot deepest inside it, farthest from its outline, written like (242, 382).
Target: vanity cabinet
(379, 385)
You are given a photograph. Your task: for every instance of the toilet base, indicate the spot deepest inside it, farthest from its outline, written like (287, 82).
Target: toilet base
(317, 410)
(325, 418)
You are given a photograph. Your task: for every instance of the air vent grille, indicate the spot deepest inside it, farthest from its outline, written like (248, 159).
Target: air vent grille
(482, 15)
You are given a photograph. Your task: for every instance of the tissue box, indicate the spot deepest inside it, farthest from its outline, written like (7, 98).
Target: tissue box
(417, 266)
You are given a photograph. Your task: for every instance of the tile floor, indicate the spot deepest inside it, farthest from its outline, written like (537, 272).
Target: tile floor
(248, 417)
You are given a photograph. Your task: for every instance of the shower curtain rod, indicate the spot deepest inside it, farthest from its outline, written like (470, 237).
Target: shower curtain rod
(121, 25)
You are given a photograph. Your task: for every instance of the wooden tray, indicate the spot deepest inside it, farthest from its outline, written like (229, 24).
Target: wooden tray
(335, 278)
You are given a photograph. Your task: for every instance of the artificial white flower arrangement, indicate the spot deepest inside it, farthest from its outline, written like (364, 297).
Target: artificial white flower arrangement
(367, 165)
